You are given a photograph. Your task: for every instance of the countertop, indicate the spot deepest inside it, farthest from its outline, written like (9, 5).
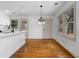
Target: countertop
(9, 34)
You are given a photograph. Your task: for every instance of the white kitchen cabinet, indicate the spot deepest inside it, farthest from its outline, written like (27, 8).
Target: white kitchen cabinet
(10, 43)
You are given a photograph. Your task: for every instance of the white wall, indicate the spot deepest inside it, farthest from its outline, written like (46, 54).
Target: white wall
(71, 46)
(35, 29)
(4, 20)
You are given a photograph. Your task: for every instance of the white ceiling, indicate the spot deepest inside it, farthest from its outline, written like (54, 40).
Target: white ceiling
(30, 7)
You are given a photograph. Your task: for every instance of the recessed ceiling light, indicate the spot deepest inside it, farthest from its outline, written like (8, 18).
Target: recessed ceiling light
(13, 12)
(56, 3)
(23, 11)
(7, 11)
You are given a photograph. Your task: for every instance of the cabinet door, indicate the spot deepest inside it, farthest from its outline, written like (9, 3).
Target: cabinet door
(9, 45)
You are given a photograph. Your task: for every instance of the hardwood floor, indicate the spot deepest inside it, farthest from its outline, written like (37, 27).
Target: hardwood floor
(47, 48)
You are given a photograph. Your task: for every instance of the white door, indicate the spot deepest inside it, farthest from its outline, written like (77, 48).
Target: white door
(47, 28)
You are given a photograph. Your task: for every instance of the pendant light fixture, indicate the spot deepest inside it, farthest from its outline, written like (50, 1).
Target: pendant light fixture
(41, 20)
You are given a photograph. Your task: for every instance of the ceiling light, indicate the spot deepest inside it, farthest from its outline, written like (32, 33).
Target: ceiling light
(56, 3)
(22, 10)
(7, 11)
(41, 20)
(13, 12)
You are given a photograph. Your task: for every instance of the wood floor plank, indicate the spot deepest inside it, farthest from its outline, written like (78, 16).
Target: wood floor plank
(47, 48)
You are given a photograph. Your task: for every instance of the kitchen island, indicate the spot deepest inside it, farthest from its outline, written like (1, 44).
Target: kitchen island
(10, 43)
